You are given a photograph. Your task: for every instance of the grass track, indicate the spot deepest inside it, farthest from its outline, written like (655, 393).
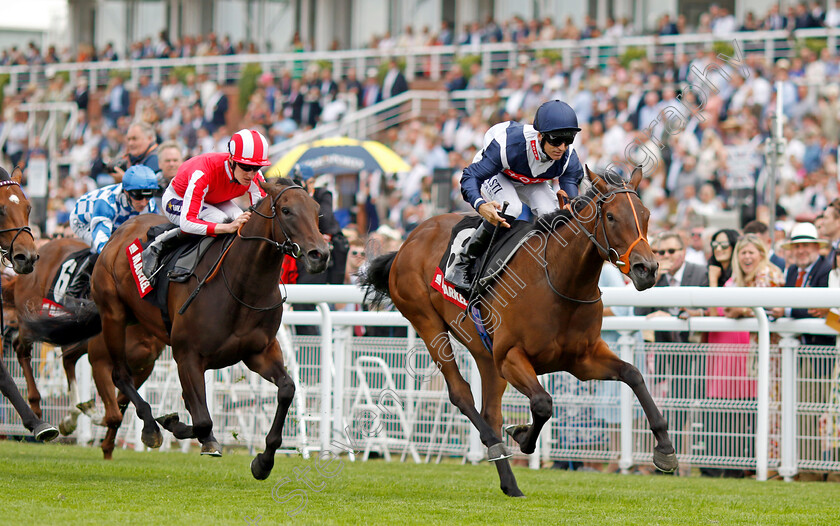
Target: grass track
(54, 484)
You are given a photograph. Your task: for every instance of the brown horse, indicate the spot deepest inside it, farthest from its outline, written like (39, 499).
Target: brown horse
(28, 292)
(234, 317)
(18, 246)
(544, 313)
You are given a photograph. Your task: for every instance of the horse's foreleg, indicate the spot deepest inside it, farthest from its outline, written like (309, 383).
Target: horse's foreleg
(24, 356)
(191, 374)
(269, 365)
(113, 331)
(517, 369)
(603, 364)
(41, 430)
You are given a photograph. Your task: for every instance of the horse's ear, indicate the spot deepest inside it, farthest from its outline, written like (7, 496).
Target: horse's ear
(265, 185)
(636, 177)
(17, 176)
(596, 180)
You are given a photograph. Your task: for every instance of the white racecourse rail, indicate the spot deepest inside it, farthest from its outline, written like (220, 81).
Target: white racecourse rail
(743, 407)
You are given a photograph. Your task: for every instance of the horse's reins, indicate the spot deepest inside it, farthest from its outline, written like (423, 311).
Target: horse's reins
(622, 261)
(286, 247)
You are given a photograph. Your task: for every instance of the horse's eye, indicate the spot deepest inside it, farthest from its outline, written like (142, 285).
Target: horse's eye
(610, 217)
(285, 211)
(2, 210)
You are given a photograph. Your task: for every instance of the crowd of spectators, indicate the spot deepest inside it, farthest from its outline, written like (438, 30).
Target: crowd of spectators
(717, 20)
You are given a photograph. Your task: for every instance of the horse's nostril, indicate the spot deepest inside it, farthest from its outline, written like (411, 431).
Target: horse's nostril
(315, 255)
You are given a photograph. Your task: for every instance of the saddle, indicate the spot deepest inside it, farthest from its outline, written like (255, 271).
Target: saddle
(177, 263)
(67, 275)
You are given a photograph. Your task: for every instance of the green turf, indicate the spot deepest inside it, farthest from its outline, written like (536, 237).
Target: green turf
(54, 484)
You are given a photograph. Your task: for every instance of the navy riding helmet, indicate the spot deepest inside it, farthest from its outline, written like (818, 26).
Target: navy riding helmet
(555, 115)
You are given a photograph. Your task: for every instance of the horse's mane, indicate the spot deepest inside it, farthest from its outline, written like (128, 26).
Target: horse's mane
(550, 222)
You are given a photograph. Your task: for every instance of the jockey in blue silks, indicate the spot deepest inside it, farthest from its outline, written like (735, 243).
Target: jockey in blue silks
(99, 212)
(517, 164)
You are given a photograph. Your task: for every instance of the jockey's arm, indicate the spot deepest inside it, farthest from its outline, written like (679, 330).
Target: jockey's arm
(101, 224)
(193, 203)
(571, 178)
(487, 163)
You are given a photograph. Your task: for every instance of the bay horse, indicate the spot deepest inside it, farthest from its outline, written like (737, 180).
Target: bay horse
(27, 295)
(544, 313)
(234, 318)
(17, 245)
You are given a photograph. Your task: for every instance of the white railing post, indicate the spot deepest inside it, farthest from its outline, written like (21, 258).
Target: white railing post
(627, 350)
(326, 375)
(790, 373)
(84, 375)
(476, 451)
(762, 430)
(343, 347)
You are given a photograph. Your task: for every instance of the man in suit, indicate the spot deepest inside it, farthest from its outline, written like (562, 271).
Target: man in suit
(682, 372)
(831, 227)
(808, 269)
(394, 82)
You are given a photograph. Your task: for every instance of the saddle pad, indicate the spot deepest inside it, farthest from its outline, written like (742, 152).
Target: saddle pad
(64, 276)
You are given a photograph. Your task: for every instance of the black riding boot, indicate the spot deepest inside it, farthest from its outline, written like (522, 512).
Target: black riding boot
(460, 274)
(151, 254)
(79, 286)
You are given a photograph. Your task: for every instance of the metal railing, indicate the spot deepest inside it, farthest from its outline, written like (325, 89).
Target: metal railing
(429, 62)
(782, 414)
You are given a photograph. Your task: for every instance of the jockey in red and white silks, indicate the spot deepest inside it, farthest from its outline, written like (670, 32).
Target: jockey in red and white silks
(200, 196)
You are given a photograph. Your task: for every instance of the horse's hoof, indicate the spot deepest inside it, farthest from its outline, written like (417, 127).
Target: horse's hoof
(167, 421)
(211, 449)
(498, 452)
(519, 434)
(45, 432)
(153, 438)
(514, 492)
(67, 425)
(87, 407)
(260, 471)
(666, 462)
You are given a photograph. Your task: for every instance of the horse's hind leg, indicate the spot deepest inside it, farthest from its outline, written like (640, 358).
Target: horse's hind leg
(113, 330)
(603, 364)
(191, 374)
(69, 358)
(517, 369)
(269, 365)
(23, 349)
(492, 388)
(41, 430)
(434, 333)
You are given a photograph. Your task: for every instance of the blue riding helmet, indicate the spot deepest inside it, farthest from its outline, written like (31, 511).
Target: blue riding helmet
(555, 115)
(304, 172)
(139, 177)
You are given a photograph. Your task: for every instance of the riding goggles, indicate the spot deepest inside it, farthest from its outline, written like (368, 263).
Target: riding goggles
(249, 167)
(559, 138)
(138, 195)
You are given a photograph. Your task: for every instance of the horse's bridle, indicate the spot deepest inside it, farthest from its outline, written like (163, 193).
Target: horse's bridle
(622, 261)
(19, 230)
(288, 246)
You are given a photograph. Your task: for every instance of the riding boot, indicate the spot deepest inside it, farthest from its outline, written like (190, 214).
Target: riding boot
(79, 286)
(151, 254)
(460, 273)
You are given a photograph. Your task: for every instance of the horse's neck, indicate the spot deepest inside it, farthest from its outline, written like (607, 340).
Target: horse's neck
(571, 266)
(258, 260)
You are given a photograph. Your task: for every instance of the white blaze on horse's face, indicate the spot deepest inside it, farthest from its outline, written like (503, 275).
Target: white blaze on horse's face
(14, 199)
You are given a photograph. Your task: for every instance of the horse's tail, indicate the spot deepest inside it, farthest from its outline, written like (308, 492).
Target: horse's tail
(81, 322)
(374, 279)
